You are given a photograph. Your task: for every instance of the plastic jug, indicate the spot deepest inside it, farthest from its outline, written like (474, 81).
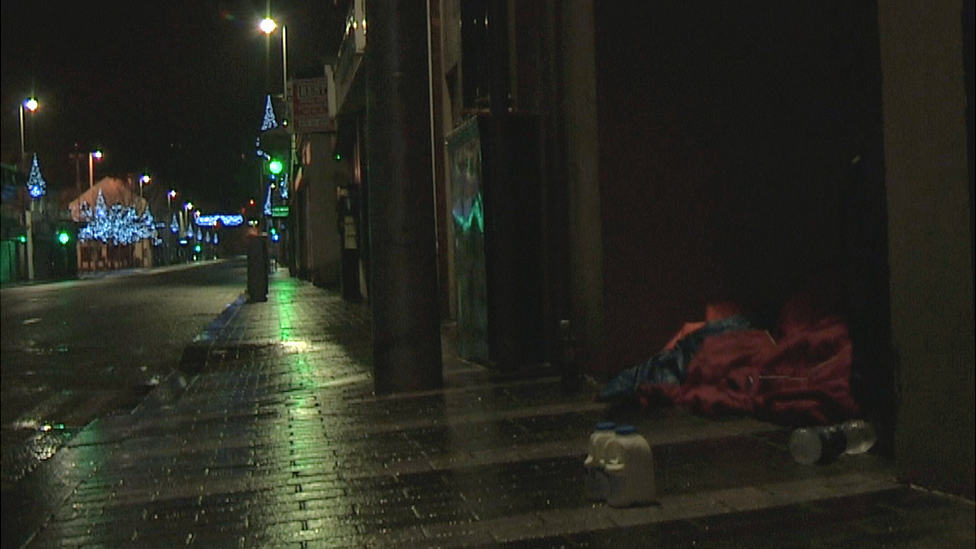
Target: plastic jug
(596, 481)
(630, 468)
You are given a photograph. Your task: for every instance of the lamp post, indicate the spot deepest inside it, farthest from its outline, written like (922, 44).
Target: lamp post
(92, 157)
(30, 104)
(268, 26)
(144, 179)
(185, 231)
(144, 245)
(171, 248)
(187, 208)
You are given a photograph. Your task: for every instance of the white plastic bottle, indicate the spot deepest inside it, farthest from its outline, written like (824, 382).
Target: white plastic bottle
(630, 467)
(860, 434)
(823, 445)
(595, 481)
(817, 445)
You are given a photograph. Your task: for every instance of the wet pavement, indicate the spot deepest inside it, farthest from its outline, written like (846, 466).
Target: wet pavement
(272, 437)
(75, 350)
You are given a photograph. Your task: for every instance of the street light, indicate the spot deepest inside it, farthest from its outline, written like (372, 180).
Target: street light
(30, 104)
(92, 157)
(268, 26)
(187, 208)
(144, 179)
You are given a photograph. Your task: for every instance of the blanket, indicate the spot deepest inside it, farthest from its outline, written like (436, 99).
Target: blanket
(671, 364)
(804, 378)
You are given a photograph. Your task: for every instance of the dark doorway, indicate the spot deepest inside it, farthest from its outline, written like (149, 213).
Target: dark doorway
(741, 159)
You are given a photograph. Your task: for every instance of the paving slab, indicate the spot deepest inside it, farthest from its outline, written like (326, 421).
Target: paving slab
(272, 436)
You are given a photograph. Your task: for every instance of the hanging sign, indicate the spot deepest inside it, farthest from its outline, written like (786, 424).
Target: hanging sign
(310, 106)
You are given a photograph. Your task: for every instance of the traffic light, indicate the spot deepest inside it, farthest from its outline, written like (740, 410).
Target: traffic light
(63, 237)
(275, 166)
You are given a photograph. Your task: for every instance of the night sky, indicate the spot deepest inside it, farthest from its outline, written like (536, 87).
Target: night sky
(175, 88)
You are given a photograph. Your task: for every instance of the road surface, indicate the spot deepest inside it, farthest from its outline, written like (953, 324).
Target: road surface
(76, 350)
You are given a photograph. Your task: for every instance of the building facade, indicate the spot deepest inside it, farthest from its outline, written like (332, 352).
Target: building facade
(625, 165)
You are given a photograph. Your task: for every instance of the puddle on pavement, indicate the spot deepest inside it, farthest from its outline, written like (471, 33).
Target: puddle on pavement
(22, 458)
(30, 441)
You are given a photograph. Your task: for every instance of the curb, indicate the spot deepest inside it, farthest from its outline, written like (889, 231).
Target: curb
(192, 362)
(195, 355)
(118, 273)
(34, 512)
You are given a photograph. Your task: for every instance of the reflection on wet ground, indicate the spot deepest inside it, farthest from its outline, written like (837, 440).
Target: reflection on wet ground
(277, 441)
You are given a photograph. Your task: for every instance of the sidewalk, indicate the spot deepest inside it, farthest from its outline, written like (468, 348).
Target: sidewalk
(111, 273)
(273, 438)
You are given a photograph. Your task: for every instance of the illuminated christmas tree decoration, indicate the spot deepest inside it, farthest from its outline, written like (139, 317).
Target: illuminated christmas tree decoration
(35, 183)
(101, 208)
(284, 187)
(269, 122)
(116, 224)
(267, 201)
(199, 235)
(215, 239)
(174, 224)
(150, 226)
(85, 212)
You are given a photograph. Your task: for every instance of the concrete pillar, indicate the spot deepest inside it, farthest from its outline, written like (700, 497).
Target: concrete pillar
(930, 238)
(403, 270)
(439, 154)
(583, 179)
